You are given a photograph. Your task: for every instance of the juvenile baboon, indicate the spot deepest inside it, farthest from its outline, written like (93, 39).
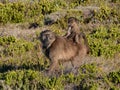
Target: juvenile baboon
(75, 34)
(73, 30)
(57, 48)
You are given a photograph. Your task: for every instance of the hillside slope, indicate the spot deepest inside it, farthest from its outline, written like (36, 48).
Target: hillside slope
(22, 63)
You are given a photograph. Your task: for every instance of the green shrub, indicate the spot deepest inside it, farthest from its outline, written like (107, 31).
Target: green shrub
(107, 14)
(7, 40)
(18, 48)
(51, 6)
(86, 77)
(88, 68)
(91, 85)
(89, 77)
(59, 4)
(17, 12)
(23, 79)
(32, 80)
(103, 41)
(12, 12)
(55, 83)
(73, 4)
(114, 77)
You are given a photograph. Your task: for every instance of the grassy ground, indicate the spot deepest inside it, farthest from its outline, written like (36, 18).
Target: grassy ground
(22, 63)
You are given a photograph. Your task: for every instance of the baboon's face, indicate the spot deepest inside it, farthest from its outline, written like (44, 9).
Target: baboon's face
(47, 37)
(72, 21)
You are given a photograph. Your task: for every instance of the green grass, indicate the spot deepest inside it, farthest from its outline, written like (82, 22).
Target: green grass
(103, 41)
(86, 79)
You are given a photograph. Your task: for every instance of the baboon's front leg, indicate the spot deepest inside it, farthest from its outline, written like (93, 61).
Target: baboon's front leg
(68, 33)
(53, 66)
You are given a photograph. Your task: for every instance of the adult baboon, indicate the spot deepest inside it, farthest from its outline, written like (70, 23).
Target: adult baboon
(57, 48)
(75, 34)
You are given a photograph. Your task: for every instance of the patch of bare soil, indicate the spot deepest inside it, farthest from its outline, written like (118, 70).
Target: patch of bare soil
(19, 31)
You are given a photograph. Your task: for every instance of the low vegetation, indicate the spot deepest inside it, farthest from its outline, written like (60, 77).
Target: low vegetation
(22, 64)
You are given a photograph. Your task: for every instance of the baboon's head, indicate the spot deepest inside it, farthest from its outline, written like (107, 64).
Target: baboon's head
(47, 37)
(72, 21)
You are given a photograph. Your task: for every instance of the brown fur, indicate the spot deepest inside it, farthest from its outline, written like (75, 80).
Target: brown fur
(75, 35)
(73, 46)
(57, 48)
(73, 30)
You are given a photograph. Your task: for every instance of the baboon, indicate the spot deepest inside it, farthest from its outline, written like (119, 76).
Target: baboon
(57, 48)
(73, 30)
(75, 34)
